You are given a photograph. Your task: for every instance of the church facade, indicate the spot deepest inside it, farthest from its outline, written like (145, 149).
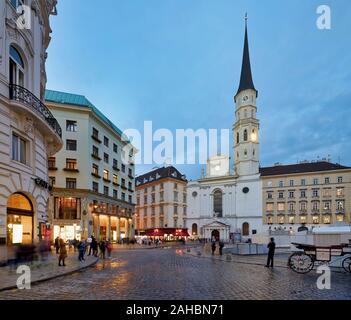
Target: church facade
(225, 205)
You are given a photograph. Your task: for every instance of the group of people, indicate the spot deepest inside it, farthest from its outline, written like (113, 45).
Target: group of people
(97, 249)
(220, 244)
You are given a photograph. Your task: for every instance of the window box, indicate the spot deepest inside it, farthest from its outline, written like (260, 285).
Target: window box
(96, 139)
(95, 175)
(95, 156)
(131, 190)
(124, 187)
(115, 184)
(130, 176)
(116, 168)
(70, 170)
(106, 180)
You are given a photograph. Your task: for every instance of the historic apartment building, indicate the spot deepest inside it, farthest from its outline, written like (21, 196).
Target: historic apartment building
(29, 133)
(161, 203)
(93, 178)
(305, 195)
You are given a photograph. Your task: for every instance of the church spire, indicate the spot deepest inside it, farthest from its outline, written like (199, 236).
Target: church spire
(246, 75)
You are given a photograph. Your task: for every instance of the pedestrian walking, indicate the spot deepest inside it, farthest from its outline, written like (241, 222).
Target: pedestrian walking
(88, 243)
(57, 244)
(62, 253)
(81, 250)
(108, 248)
(102, 247)
(271, 251)
(221, 245)
(213, 247)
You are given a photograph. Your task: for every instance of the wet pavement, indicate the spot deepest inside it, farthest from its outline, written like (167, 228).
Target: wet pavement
(172, 274)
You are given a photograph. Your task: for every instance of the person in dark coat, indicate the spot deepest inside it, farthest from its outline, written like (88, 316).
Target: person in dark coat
(213, 247)
(94, 246)
(271, 250)
(221, 245)
(102, 247)
(57, 244)
(63, 253)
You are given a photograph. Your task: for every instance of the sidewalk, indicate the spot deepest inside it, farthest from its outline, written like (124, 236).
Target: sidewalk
(45, 270)
(280, 258)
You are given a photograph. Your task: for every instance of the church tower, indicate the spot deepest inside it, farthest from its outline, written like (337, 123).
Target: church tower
(246, 127)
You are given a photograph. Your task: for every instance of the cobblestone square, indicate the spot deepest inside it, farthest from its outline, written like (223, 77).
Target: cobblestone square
(172, 274)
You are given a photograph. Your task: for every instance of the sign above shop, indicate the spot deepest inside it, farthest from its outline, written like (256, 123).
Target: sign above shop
(43, 184)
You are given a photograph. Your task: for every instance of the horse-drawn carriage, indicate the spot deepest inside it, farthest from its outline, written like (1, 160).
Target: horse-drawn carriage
(304, 261)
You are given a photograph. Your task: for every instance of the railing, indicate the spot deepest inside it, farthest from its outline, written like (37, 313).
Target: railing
(24, 96)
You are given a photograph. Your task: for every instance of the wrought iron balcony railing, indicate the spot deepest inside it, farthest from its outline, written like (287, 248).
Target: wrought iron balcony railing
(24, 96)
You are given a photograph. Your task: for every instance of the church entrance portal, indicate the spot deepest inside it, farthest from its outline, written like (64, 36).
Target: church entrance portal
(215, 235)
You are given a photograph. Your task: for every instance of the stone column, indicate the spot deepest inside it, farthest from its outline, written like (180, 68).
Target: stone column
(130, 229)
(97, 227)
(109, 228)
(118, 229)
(127, 228)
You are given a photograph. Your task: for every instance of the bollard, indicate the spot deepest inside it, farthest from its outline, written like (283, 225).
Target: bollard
(199, 253)
(188, 250)
(229, 257)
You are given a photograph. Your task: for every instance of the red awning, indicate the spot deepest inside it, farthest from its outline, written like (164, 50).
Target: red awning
(161, 232)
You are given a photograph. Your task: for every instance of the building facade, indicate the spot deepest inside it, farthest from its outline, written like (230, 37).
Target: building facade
(29, 133)
(305, 195)
(225, 205)
(93, 174)
(161, 203)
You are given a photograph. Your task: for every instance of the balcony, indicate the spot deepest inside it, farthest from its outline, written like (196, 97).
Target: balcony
(316, 211)
(116, 168)
(291, 212)
(326, 211)
(96, 156)
(20, 94)
(96, 138)
(95, 175)
(130, 176)
(24, 97)
(71, 169)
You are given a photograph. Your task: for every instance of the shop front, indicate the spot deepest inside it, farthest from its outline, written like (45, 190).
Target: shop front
(168, 234)
(20, 220)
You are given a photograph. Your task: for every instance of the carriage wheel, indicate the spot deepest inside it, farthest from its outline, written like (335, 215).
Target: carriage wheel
(300, 262)
(346, 264)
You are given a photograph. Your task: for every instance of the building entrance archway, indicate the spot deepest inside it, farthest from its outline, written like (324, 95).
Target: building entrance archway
(20, 220)
(215, 235)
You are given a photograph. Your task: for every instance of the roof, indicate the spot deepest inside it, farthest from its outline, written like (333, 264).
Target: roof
(80, 101)
(301, 168)
(246, 81)
(158, 174)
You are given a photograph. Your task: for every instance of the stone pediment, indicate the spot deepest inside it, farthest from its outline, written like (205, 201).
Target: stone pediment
(216, 224)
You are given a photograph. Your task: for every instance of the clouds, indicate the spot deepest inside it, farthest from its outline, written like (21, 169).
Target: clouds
(177, 63)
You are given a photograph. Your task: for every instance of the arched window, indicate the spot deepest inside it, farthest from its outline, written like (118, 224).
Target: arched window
(245, 153)
(245, 135)
(218, 203)
(194, 229)
(246, 229)
(16, 67)
(237, 137)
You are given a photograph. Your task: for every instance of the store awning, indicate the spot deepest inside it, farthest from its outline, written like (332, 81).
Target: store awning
(161, 232)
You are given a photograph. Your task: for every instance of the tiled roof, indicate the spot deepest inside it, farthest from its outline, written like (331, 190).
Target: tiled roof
(301, 168)
(158, 174)
(81, 101)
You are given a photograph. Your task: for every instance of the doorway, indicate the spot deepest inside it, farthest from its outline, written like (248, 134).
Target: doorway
(215, 235)
(20, 220)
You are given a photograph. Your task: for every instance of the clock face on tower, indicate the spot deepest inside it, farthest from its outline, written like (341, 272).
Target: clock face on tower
(245, 98)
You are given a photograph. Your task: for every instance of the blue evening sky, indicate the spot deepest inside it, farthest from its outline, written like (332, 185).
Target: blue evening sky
(177, 63)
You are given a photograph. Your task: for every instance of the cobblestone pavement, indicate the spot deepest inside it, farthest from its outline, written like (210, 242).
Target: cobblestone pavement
(171, 274)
